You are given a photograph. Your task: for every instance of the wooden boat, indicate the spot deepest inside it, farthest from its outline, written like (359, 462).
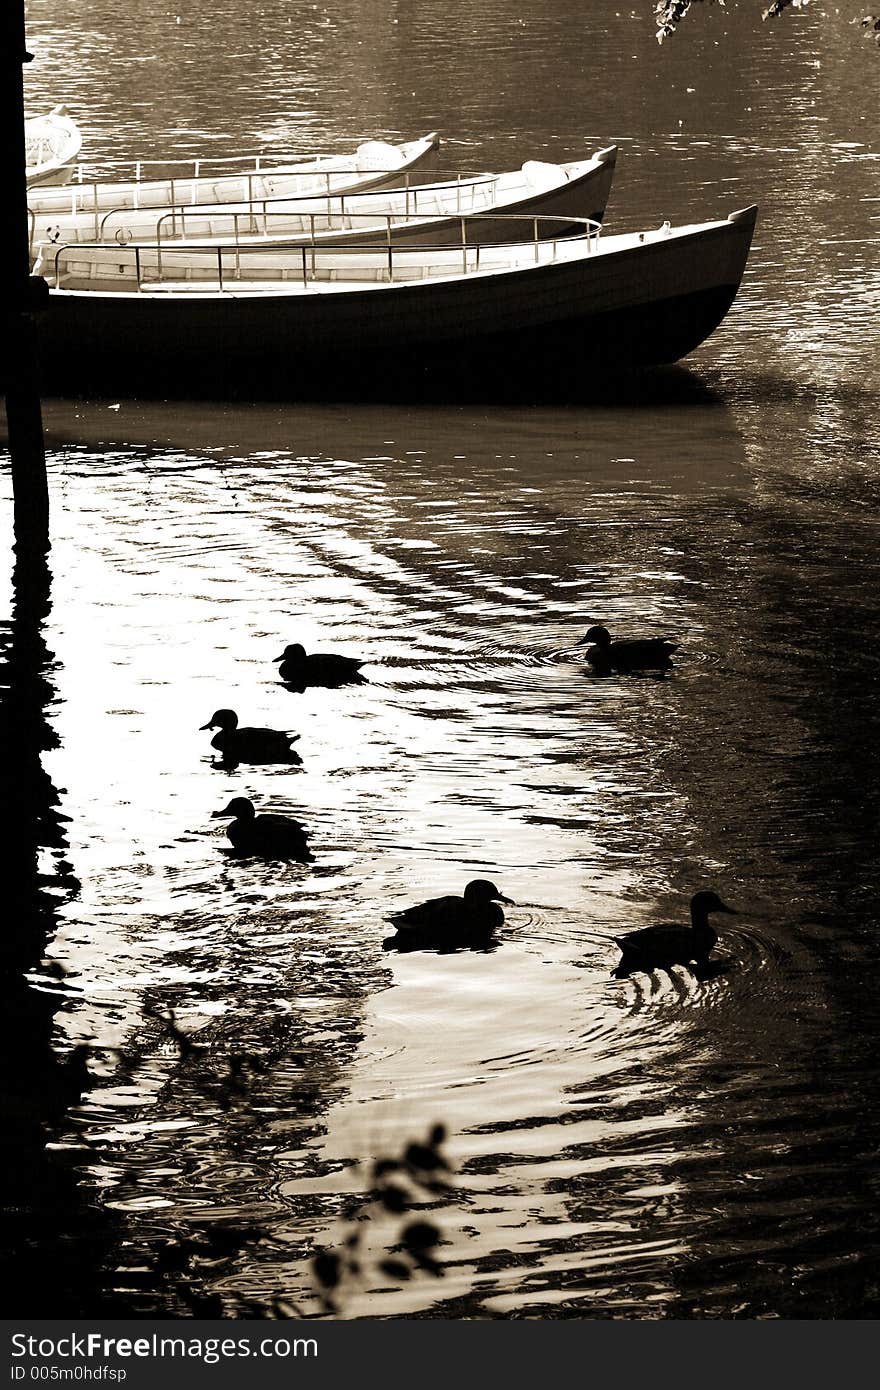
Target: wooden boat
(423, 214)
(374, 164)
(339, 322)
(52, 143)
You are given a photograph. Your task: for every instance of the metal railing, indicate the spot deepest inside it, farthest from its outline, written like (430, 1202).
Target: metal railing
(415, 196)
(146, 172)
(417, 200)
(152, 264)
(195, 164)
(261, 222)
(85, 197)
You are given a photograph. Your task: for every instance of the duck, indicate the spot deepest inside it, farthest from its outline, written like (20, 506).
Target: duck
(268, 835)
(645, 654)
(450, 922)
(250, 745)
(318, 668)
(657, 948)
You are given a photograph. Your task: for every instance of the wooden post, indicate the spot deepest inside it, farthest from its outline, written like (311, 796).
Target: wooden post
(18, 297)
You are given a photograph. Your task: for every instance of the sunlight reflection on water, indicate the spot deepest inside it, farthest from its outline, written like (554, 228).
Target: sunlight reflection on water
(649, 1147)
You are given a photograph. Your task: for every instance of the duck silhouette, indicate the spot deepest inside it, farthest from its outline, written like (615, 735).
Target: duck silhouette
(250, 745)
(657, 948)
(319, 668)
(268, 835)
(644, 654)
(450, 923)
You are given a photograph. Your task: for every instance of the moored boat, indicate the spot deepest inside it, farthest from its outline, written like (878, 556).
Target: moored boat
(421, 214)
(52, 143)
(338, 322)
(374, 164)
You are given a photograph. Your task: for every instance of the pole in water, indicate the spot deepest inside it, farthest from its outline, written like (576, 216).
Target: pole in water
(20, 294)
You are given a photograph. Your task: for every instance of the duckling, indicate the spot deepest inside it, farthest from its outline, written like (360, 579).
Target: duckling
(268, 835)
(646, 654)
(450, 922)
(656, 948)
(319, 668)
(250, 745)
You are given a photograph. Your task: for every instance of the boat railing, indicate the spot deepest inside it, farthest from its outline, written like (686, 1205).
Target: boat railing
(183, 201)
(417, 202)
(150, 265)
(201, 166)
(36, 151)
(335, 217)
(143, 170)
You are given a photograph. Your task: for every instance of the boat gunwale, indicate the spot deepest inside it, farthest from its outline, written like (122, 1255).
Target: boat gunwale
(743, 219)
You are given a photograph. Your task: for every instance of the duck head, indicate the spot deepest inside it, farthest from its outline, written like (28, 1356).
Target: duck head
(240, 807)
(705, 902)
(295, 651)
(597, 636)
(481, 890)
(225, 719)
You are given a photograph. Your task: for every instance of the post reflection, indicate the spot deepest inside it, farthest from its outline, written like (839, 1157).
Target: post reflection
(56, 1243)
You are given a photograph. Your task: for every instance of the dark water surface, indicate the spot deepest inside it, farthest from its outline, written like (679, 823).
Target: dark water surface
(655, 1147)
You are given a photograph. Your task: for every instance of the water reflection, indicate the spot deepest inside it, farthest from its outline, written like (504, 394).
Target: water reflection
(463, 557)
(48, 1221)
(660, 1146)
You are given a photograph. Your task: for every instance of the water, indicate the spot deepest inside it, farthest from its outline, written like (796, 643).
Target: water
(655, 1147)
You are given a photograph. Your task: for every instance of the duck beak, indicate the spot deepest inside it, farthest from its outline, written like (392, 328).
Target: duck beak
(217, 815)
(724, 908)
(501, 899)
(205, 726)
(278, 658)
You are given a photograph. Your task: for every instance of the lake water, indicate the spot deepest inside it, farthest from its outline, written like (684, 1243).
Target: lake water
(654, 1147)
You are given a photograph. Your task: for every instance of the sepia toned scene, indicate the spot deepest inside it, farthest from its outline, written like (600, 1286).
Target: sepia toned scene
(440, 718)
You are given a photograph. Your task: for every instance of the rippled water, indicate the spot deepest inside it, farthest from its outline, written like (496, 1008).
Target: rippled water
(655, 1147)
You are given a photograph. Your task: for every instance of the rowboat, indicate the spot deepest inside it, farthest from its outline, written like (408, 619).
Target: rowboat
(424, 215)
(374, 164)
(52, 143)
(339, 322)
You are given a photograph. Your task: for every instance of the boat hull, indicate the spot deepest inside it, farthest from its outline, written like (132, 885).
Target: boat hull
(641, 306)
(52, 143)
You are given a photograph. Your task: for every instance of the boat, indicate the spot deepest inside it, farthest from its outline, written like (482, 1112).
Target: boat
(421, 214)
(339, 322)
(52, 143)
(374, 164)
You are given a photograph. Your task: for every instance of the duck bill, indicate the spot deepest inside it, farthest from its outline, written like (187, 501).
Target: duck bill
(278, 658)
(724, 908)
(501, 899)
(205, 726)
(219, 815)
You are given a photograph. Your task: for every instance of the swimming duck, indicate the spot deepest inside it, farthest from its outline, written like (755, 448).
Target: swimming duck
(646, 654)
(269, 835)
(450, 922)
(656, 948)
(250, 745)
(319, 668)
